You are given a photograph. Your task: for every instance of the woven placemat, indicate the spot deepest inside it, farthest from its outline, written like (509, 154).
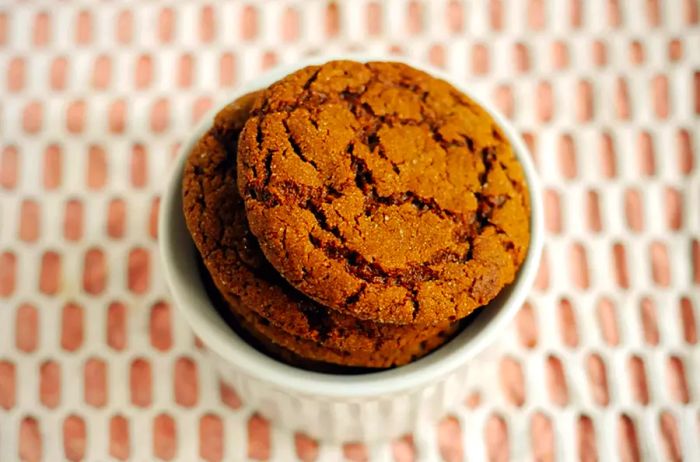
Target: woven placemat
(601, 362)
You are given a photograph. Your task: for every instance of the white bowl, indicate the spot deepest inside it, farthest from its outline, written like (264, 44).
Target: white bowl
(360, 407)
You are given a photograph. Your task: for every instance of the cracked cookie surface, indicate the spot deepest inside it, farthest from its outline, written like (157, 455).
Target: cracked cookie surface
(383, 192)
(215, 216)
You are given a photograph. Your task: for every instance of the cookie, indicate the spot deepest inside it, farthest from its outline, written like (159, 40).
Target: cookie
(382, 192)
(215, 216)
(282, 344)
(300, 352)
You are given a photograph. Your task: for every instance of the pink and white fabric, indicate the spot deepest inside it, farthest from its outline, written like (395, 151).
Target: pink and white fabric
(602, 361)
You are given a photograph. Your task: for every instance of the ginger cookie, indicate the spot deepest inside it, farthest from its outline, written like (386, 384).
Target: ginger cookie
(282, 344)
(215, 216)
(382, 192)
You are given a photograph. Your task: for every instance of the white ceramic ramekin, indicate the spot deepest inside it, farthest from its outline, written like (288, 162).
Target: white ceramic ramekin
(361, 407)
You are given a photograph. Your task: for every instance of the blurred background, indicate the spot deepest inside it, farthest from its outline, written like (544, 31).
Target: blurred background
(602, 361)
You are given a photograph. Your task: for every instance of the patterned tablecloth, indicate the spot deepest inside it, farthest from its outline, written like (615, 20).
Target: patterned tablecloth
(602, 361)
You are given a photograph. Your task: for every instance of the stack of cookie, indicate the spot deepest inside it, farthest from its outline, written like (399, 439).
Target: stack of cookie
(352, 214)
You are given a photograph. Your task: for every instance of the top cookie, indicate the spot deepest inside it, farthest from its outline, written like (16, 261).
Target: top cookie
(383, 192)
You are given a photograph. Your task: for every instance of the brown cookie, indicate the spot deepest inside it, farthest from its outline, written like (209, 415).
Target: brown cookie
(383, 192)
(215, 216)
(300, 352)
(286, 346)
